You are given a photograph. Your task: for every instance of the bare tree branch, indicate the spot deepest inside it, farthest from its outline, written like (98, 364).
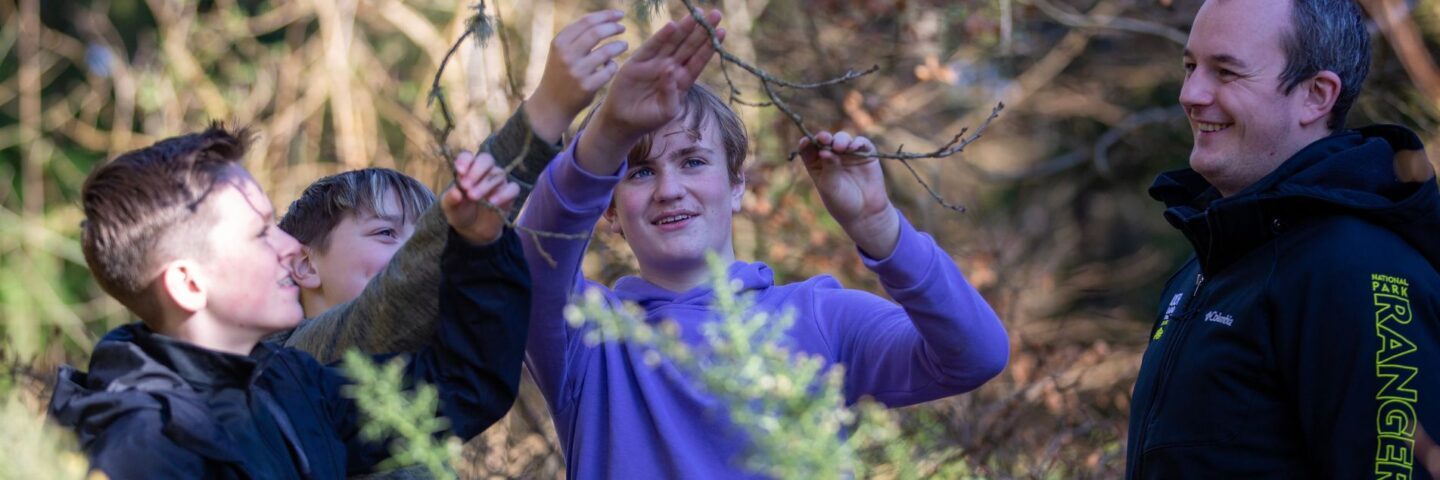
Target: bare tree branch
(769, 81)
(480, 26)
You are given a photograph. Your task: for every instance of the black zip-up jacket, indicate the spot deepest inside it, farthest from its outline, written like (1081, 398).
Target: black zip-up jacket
(1302, 340)
(155, 407)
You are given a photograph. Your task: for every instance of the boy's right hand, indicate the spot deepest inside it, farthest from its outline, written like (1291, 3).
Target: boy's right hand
(574, 71)
(481, 179)
(649, 91)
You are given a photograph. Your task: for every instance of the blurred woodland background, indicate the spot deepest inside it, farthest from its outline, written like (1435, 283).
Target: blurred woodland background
(1059, 234)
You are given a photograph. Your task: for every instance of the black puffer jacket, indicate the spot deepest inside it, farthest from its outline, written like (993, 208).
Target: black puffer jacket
(1302, 341)
(156, 407)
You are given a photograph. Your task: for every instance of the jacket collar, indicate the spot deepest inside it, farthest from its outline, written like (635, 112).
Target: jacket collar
(200, 368)
(1360, 172)
(133, 368)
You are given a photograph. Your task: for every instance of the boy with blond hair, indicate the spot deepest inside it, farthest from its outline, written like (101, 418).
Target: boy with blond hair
(662, 159)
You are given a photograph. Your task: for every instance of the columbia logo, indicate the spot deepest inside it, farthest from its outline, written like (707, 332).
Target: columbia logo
(1221, 318)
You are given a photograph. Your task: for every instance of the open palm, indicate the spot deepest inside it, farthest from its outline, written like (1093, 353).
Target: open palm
(648, 90)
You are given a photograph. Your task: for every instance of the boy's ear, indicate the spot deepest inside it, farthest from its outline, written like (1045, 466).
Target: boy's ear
(184, 285)
(614, 222)
(303, 271)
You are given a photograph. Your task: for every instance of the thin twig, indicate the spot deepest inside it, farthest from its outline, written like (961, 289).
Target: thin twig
(766, 79)
(784, 107)
(933, 194)
(769, 81)
(437, 95)
(955, 146)
(505, 54)
(442, 135)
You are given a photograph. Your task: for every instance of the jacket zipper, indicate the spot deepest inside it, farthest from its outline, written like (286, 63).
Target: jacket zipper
(1166, 362)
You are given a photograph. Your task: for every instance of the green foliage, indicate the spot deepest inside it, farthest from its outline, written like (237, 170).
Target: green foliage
(790, 406)
(388, 411)
(44, 286)
(32, 448)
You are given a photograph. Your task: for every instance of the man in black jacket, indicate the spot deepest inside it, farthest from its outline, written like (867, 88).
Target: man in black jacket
(182, 236)
(1302, 340)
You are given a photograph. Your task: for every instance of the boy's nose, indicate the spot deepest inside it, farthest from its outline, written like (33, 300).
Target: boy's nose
(668, 187)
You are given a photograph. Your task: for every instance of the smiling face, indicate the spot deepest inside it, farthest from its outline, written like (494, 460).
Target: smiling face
(1244, 124)
(676, 204)
(351, 224)
(357, 249)
(247, 266)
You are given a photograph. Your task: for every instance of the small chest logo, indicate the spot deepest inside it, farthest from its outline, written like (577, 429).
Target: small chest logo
(1174, 303)
(1221, 318)
(1169, 311)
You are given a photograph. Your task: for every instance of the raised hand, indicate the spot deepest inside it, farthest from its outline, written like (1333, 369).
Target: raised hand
(482, 180)
(852, 187)
(574, 71)
(648, 91)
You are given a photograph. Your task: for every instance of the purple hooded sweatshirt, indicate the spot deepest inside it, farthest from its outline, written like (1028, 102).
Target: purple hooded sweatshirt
(618, 417)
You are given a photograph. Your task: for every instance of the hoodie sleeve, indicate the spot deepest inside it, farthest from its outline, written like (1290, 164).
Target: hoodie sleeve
(396, 310)
(943, 339)
(568, 200)
(1358, 342)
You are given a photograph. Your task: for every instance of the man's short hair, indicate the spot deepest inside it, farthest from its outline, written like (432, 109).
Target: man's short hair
(1327, 35)
(322, 206)
(143, 208)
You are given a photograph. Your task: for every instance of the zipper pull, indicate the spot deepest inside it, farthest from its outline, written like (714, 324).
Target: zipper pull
(1199, 280)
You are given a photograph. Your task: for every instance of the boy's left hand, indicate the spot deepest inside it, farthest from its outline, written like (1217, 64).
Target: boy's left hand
(853, 189)
(482, 180)
(648, 91)
(574, 71)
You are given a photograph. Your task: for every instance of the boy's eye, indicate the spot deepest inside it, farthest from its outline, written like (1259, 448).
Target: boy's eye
(694, 162)
(1189, 67)
(642, 172)
(388, 232)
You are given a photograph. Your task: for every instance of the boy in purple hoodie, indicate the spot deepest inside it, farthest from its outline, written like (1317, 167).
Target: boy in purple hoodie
(669, 153)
